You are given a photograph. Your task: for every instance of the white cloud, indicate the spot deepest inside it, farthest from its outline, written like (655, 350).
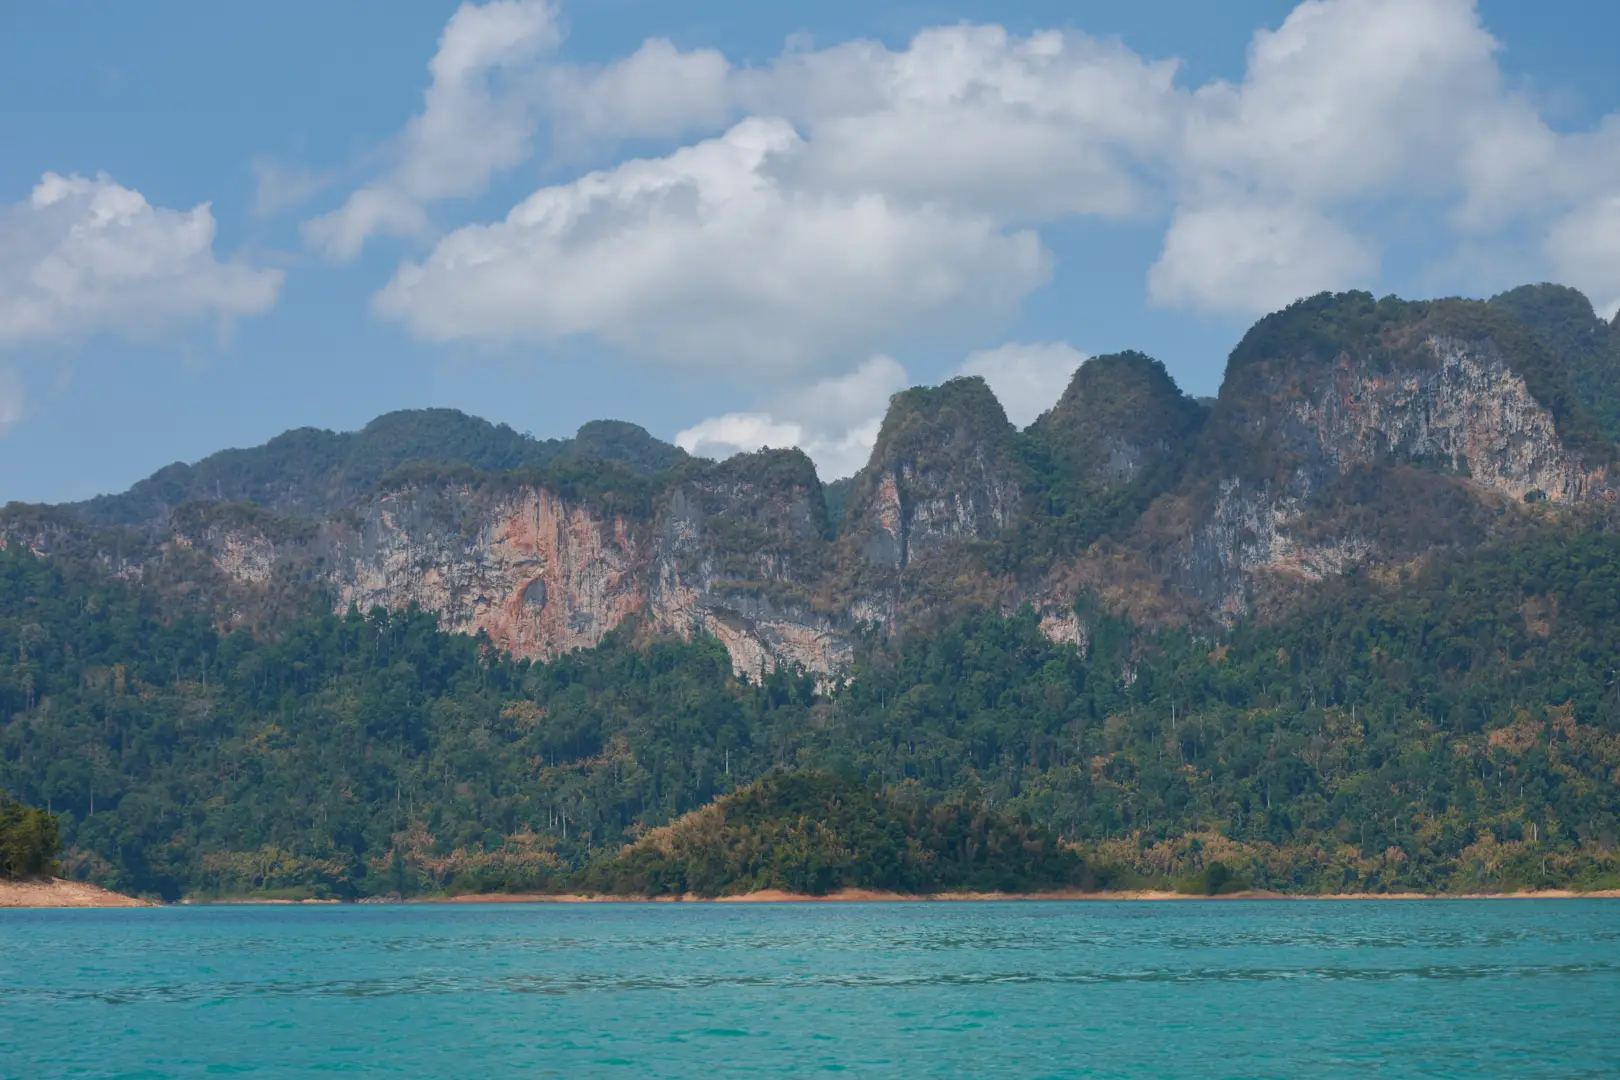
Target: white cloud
(1350, 115)
(83, 256)
(11, 398)
(474, 122)
(1585, 247)
(1027, 378)
(835, 421)
(1023, 128)
(1347, 97)
(655, 92)
(1255, 258)
(1348, 102)
(707, 260)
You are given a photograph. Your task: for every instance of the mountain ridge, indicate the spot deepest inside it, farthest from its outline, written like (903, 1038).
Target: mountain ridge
(1349, 431)
(1348, 627)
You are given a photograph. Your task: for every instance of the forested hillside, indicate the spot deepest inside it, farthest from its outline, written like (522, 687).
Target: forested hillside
(1457, 729)
(1351, 625)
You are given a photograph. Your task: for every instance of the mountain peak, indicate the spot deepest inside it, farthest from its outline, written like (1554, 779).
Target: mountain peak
(627, 444)
(1115, 440)
(311, 471)
(1587, 348)
(943, 468)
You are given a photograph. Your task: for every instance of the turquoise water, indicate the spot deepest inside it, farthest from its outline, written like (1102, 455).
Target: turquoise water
(1318, 990)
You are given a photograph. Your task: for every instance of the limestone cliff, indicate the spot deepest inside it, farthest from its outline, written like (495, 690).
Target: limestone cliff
(1348, 432)
(942, 471)
(732, 550)
(943, 483)
(1349, 429)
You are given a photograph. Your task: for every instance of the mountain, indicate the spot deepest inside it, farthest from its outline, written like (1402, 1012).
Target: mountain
(1563, 321)
(1348, 432)
(1455, 730)
(310, 472)
(1349, 624)
(1118, 438)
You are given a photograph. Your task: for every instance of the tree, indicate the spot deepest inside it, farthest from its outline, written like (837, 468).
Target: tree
(28, 841)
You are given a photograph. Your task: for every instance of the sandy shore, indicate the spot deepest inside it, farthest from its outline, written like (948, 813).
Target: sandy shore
(868, 896)
(57, 893)
(191, 901)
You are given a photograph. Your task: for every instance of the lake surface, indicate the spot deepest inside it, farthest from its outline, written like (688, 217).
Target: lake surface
(1181, 990)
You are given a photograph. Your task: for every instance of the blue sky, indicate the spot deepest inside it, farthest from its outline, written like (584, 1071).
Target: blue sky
(739, 224)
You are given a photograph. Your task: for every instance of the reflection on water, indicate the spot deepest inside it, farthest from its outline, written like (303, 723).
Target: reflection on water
(1110, 990)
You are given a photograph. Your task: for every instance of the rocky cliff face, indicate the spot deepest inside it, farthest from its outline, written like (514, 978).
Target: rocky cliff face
(942, 472)
(731, 550)
(540, 575)
(740, 552)
(1331, 446)
(1349, 431)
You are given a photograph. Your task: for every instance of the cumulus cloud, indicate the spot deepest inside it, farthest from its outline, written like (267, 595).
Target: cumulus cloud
(707, 260)
(1585, 247)
(1255, 258)
(658, 91)
(82, 256)
(1025, 128)
(1027, 378)
(835, 421)
(11, 398)
(895, 183)
(476, 120)
(1348, 100)
(1349, 96)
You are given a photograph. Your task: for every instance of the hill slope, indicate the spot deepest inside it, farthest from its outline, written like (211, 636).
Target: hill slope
(812, 833)
(1351, 624)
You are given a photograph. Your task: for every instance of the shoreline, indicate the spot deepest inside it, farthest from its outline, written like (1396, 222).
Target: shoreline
(875, 896)
(61, 894)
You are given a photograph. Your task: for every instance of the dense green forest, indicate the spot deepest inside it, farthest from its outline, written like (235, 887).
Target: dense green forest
(1458, 730)
(813, 833)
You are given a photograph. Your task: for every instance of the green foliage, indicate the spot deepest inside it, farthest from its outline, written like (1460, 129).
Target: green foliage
(1321, 327)
(1216, 879)
(627, 445)
(1118, 438)
(310, 472)
(185, 759)
(28, 841)
(836, 495)
(1563, 321)
(611, 489)
(814, 833)
(1458, 730)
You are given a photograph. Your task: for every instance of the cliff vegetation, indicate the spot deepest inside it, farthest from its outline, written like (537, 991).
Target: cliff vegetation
(1348, 627)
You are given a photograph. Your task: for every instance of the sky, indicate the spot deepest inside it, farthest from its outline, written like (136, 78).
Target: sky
(740, 224)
